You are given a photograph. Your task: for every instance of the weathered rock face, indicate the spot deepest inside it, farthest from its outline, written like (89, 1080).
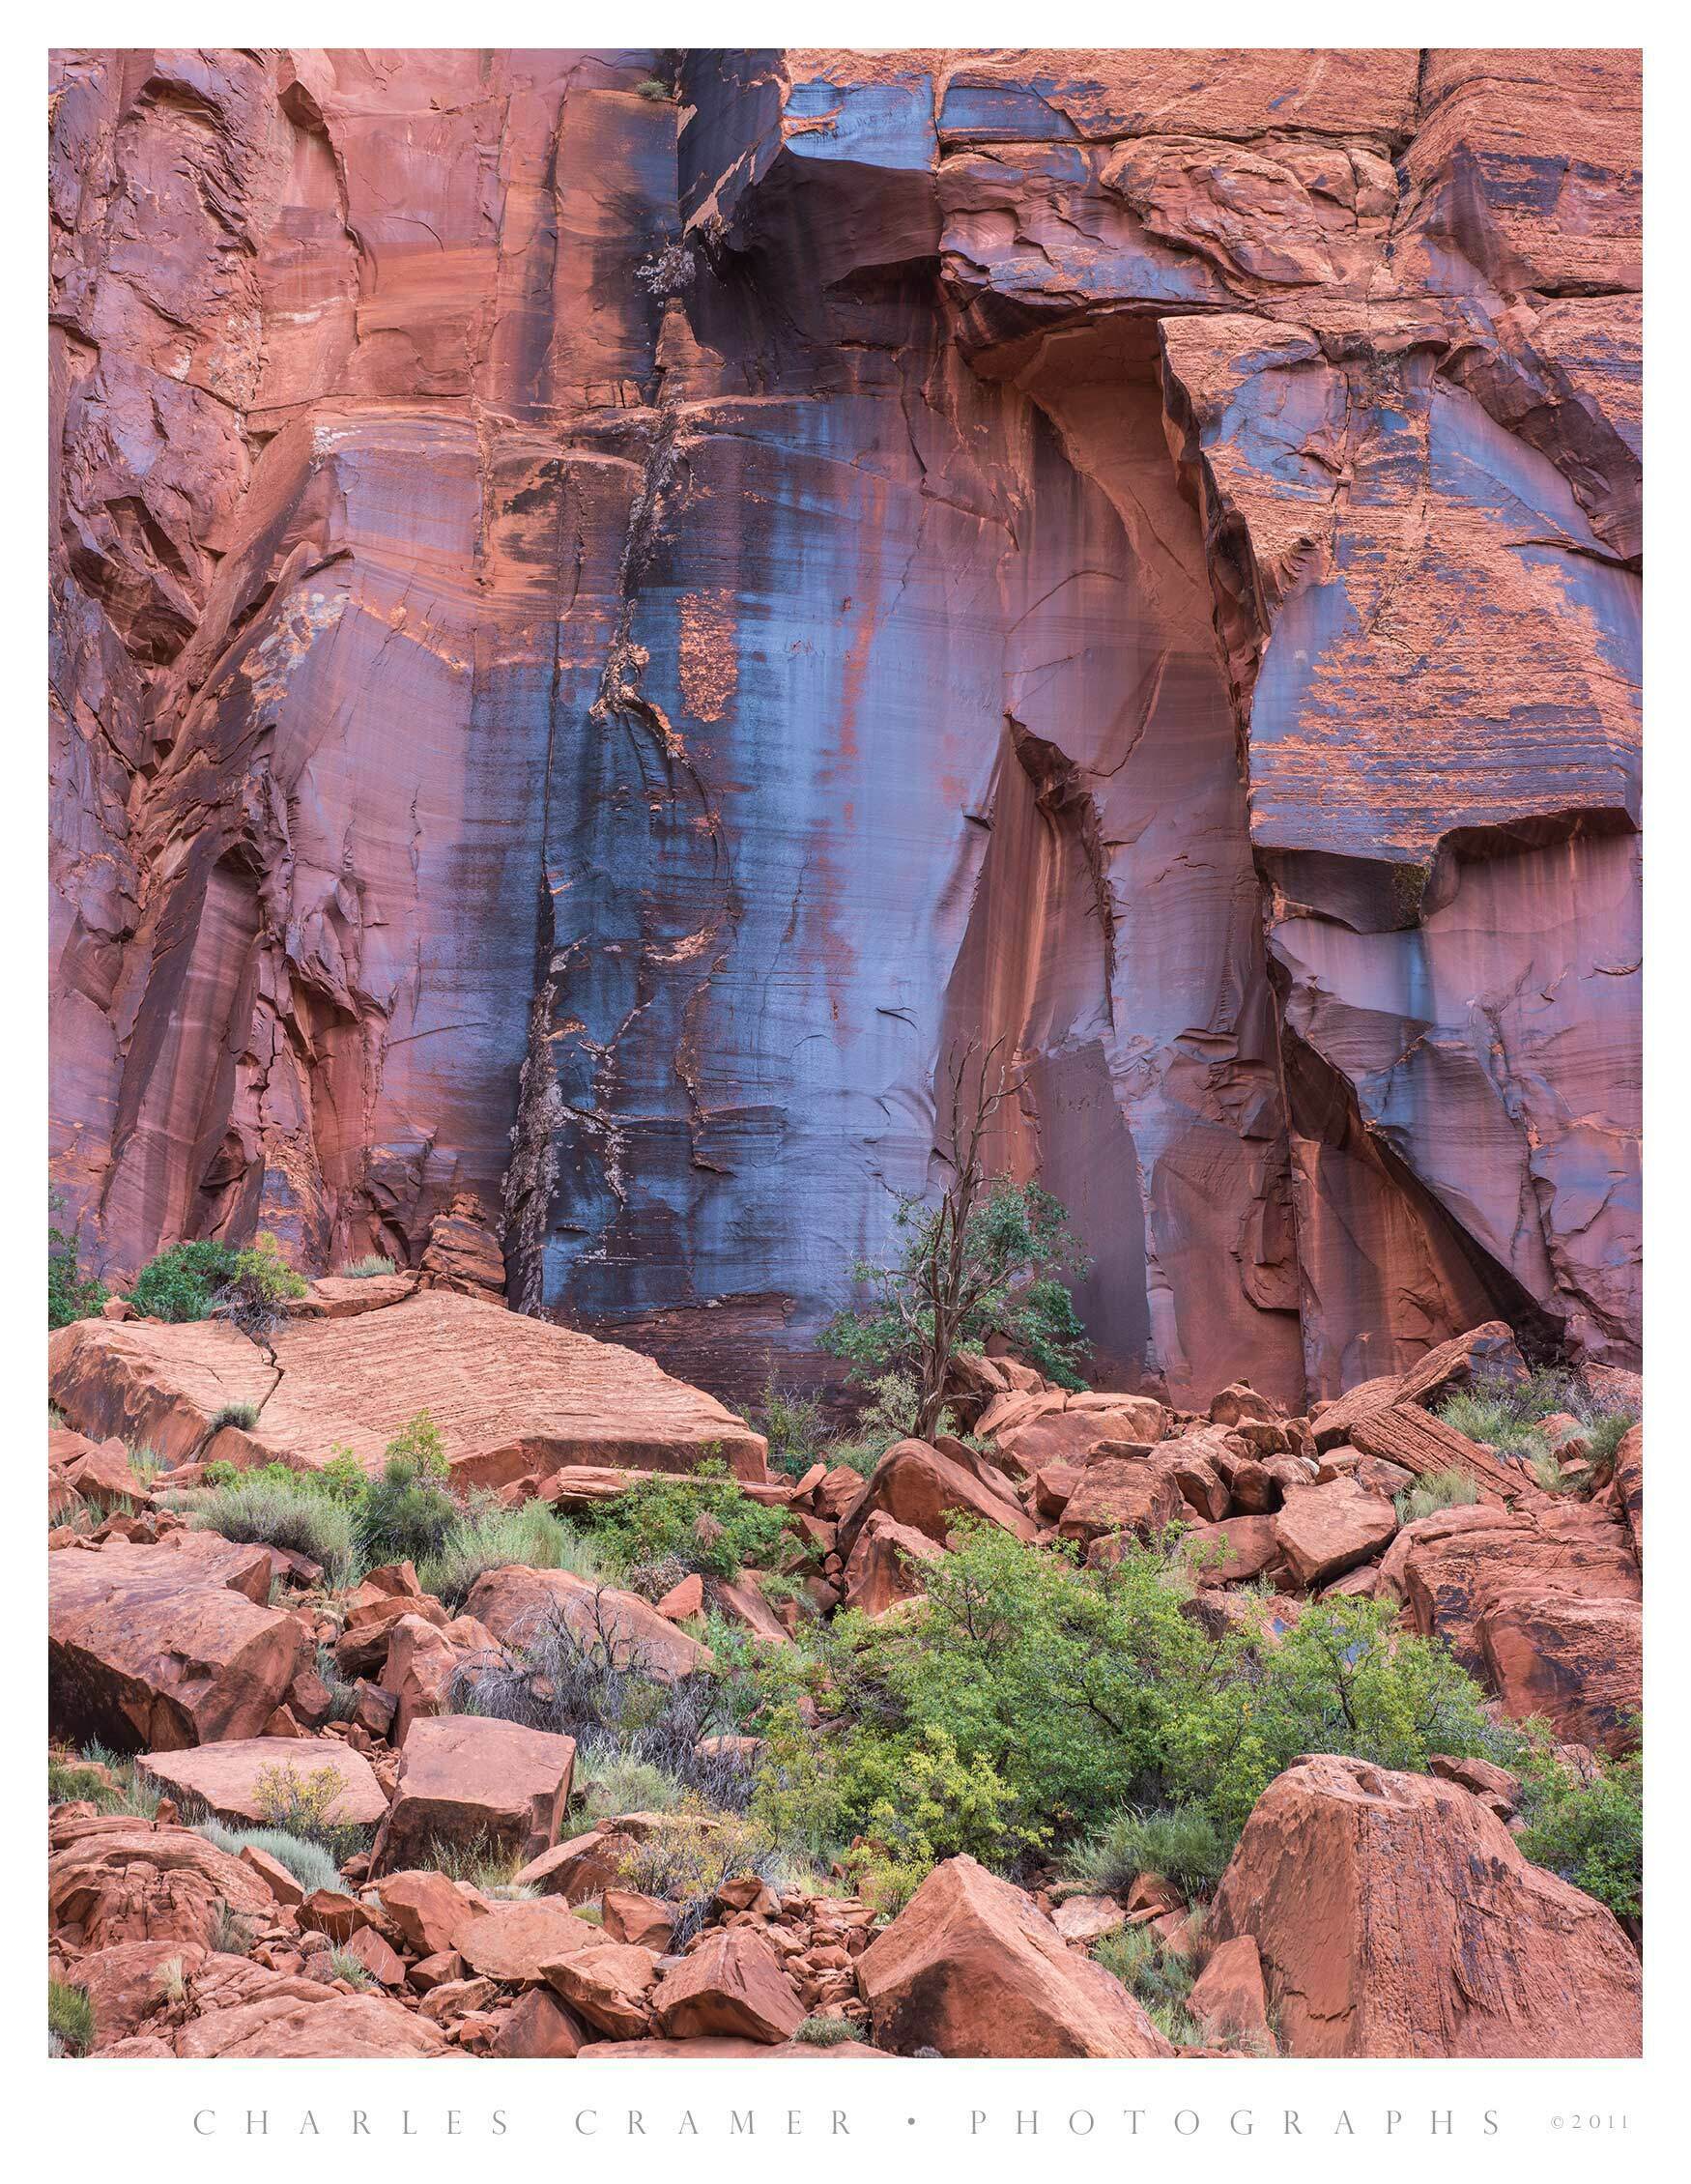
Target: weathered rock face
(643, 624)
(1395, 1917)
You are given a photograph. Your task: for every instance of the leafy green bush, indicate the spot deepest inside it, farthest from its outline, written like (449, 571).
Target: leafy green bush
(183, 1283)
(1041, 1698)
(70, 2018)
(274, 1506)
(1589, 1831)
(309, 1862)
(889, 1417)
(1436, 1490)
(406, 1514)
(70, 1293)
(1184, 1845)
(825, 2032)
(700, 1520)
(793, 1425)
(491, 1538)
(1020, 1256)
(105, 1779)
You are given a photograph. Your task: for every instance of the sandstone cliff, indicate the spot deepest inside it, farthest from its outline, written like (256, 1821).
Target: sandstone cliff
(597, 632)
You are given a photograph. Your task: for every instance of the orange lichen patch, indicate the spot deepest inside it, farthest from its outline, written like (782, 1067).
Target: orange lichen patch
(709, 661)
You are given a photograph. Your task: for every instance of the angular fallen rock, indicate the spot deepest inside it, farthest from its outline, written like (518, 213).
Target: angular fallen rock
(539, 2029)
(1120, 1494)
(1227, 1996)
(733, 1986)
(1579, 1664)
(512, 1396)
(1395, 1917)
(1629, 1486)
(231, 1779)
(885, 1564)
(298, 2020)
(427, 1909)
(1323, 1531)
(112, 1878)
(971, 1966)
(157, 1648)
(926, 1491)
(514, 1941)
(465, 1777)
(516, 1604)
(608, 1986)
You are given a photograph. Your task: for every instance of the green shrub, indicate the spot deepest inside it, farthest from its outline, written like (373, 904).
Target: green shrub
(343, 1965)
(1434, 1492)
(70, 2018)
(184, 1282)
(70, 1293)
(611, 1783)
(309, 1862)
(793, 1425)
(1018, 1256)
(1184, 1845)
(889, 1417)
(1604, 1433)
(406, 1514)
(363, 1270)
(1589, 1833)
(1158, 1977)
(274, 1506)
(105, 1779)
(825, 2032)
(260, 1286)
(343, 1697)
(652, 88)
(700, 1521)
(242, 1415)
(1042, 1698)
(491, 1538)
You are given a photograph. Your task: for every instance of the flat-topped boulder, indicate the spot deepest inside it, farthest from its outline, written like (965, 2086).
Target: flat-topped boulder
(517, 1604)
(160, 1648)
(468, 1779)
(512, 1396)
(229, 1779)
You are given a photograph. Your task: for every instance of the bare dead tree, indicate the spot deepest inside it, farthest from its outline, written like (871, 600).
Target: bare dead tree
(952, 1275)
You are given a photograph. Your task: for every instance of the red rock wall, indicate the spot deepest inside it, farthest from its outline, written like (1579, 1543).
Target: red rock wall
(596, 637)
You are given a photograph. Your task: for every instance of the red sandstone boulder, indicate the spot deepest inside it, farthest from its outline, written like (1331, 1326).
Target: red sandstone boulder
(239, 1780)
(924, 1491)
(464, 1776)
(426, 1909)
(731, 1985)
(1579, 1664)
(113, 1879)
(1629, 1486)
(1119, 1494)
(297, 2020)
(1234, 1551)
(1395, 1917)
(1227, 1996)
(608, 1986)
(646, 1923)
(539, 2029)
(1074, 1433)
(516, 1603)
(160, 1648)
(514, 1941)
(971, 1966)
(885, 1563)
(1324, 1531)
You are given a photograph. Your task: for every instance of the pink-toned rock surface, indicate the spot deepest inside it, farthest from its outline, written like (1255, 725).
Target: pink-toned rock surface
(517, 1604)
(510, 1395)
(160, 1648)
(971, 1966)
(465, 1777)
(230, 1778)
(111, 1879)
(1170, 599)
(1395, 1917)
